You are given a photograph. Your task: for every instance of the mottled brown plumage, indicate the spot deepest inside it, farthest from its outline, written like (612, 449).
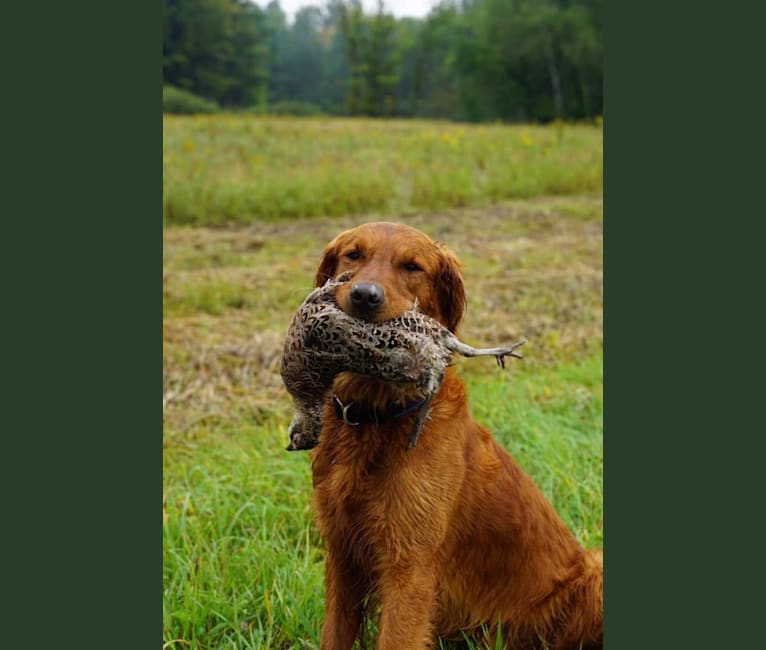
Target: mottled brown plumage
(323, 340)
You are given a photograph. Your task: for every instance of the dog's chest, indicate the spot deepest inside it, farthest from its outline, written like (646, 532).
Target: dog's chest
(380, 510)
(349, 513)
(349, 490)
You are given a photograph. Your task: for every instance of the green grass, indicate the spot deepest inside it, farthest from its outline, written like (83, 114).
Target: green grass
(238, 168)
(243, 565)
(242, 561)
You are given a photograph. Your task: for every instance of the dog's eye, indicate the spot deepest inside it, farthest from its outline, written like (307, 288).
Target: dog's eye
(412, 266)
(353, 255)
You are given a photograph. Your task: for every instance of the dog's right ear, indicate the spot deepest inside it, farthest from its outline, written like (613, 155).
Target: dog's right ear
(328, 265)
(450, 290)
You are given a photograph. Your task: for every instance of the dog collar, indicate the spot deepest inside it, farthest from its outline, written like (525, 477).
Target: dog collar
(357, 413)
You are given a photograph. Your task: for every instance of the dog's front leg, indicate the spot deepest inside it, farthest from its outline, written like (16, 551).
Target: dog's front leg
(344, 596)
(407, 601)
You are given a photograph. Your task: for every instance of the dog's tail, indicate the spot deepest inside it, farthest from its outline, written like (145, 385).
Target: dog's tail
(570, 618)
(584, 618)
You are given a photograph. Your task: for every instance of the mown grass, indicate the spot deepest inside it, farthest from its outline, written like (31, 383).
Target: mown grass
(238, 168)
(242, 561)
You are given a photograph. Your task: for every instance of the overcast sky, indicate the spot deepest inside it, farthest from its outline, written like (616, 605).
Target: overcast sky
(400, 8)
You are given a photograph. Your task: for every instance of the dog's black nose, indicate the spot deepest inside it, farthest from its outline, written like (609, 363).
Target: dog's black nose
(365, 295)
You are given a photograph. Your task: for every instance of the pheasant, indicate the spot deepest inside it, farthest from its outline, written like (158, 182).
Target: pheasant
(323, 340)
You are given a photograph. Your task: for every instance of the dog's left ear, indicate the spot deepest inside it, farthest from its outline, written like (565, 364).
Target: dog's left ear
(327, 266)
(450, 291)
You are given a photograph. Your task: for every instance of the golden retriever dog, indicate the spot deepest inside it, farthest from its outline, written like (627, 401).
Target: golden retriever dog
(450, 538)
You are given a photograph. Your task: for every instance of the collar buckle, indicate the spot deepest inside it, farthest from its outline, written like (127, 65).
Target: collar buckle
(344, 411)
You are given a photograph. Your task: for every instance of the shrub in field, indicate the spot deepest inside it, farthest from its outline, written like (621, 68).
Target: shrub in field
(183, 102)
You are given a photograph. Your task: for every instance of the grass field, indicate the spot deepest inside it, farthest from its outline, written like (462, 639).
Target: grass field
(242, 562)
(234, 168)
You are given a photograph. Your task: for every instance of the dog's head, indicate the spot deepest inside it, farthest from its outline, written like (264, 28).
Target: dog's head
(392, 265)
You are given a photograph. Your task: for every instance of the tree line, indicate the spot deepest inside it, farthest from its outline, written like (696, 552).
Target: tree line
(475, 60)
